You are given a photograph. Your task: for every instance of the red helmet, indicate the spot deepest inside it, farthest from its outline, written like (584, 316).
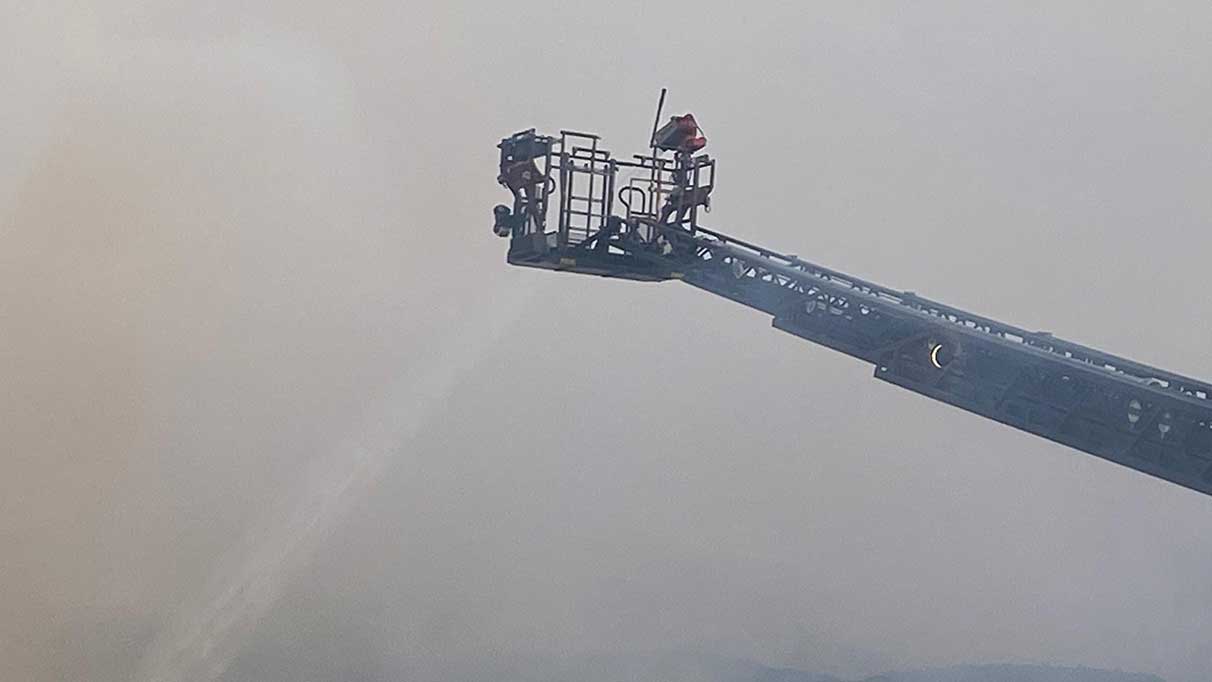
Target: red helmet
(680, 134)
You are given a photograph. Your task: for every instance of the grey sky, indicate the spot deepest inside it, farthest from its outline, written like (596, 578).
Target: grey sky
(234, 240)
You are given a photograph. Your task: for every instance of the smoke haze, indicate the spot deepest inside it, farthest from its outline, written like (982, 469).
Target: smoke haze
(274, 406)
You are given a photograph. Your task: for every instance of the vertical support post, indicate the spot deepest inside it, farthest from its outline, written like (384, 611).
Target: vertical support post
(694, 203)
(608, 205)
(541, 216)
(565, 191)
(589, 201)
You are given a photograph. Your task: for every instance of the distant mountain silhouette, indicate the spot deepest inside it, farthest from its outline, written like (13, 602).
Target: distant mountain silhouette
(268, 665)
(705, 668)
(689, 667)
(1012, 673)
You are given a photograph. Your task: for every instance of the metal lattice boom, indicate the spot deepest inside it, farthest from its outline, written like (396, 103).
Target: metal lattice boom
(1149, 419)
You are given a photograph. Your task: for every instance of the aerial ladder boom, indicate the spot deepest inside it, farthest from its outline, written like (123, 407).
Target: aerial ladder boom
(638, 219)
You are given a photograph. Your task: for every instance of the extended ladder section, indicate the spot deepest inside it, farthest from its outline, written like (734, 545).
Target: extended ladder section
(1142, 417)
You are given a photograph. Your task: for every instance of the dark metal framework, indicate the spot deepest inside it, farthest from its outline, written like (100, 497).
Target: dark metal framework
(1142, 417)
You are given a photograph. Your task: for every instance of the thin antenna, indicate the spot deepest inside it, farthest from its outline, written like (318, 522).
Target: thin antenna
(657, 123)
(654, 190)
